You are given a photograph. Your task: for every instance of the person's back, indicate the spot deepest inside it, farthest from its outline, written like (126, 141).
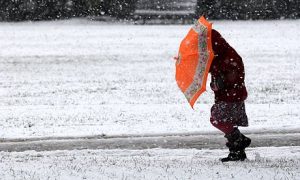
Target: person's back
(227, 68)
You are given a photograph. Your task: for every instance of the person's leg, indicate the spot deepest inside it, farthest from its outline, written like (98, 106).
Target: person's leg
(221, 118)
(231, 134)
(225, 127)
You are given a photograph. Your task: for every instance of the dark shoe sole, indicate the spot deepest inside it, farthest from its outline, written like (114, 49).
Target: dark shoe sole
(240, 157)
(229, 159)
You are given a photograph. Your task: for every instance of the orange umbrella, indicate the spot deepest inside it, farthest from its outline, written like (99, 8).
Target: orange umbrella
(194, 59)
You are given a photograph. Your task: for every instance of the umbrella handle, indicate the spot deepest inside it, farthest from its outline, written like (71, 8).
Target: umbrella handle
(177, 59)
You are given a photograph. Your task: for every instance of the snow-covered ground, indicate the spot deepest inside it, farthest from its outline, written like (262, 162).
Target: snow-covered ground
(83, 78)
(263, 163)
(73, 78)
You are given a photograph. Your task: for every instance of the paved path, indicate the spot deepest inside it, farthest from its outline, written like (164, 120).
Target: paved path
(170, 141)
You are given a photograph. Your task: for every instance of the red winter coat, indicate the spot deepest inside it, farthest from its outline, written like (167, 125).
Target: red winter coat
(228, 69)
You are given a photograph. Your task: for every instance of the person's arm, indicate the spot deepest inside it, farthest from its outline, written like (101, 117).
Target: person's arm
(234, 71)
(220, 46)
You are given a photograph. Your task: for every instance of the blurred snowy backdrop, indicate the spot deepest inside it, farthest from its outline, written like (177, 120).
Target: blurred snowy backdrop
(178, 11)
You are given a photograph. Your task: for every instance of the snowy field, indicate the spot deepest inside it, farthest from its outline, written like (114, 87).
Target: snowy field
(82, 78)
(75, 78)
(264, 163)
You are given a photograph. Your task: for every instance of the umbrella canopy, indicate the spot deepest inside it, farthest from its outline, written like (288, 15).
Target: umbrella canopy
(194, 59)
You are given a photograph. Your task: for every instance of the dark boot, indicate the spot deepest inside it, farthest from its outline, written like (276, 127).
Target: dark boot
(235, 156)
(240, 143)
(237, 143)
(244, 142)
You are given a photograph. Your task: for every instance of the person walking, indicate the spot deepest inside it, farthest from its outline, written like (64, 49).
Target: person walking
(205, 51)
(227, 82)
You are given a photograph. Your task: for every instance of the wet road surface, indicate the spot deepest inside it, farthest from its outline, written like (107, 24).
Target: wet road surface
(169, 141)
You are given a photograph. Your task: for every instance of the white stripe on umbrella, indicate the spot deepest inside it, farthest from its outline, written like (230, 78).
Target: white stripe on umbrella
(202, 62)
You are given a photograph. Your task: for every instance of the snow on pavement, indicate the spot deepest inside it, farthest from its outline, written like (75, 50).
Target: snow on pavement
(264, 163)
